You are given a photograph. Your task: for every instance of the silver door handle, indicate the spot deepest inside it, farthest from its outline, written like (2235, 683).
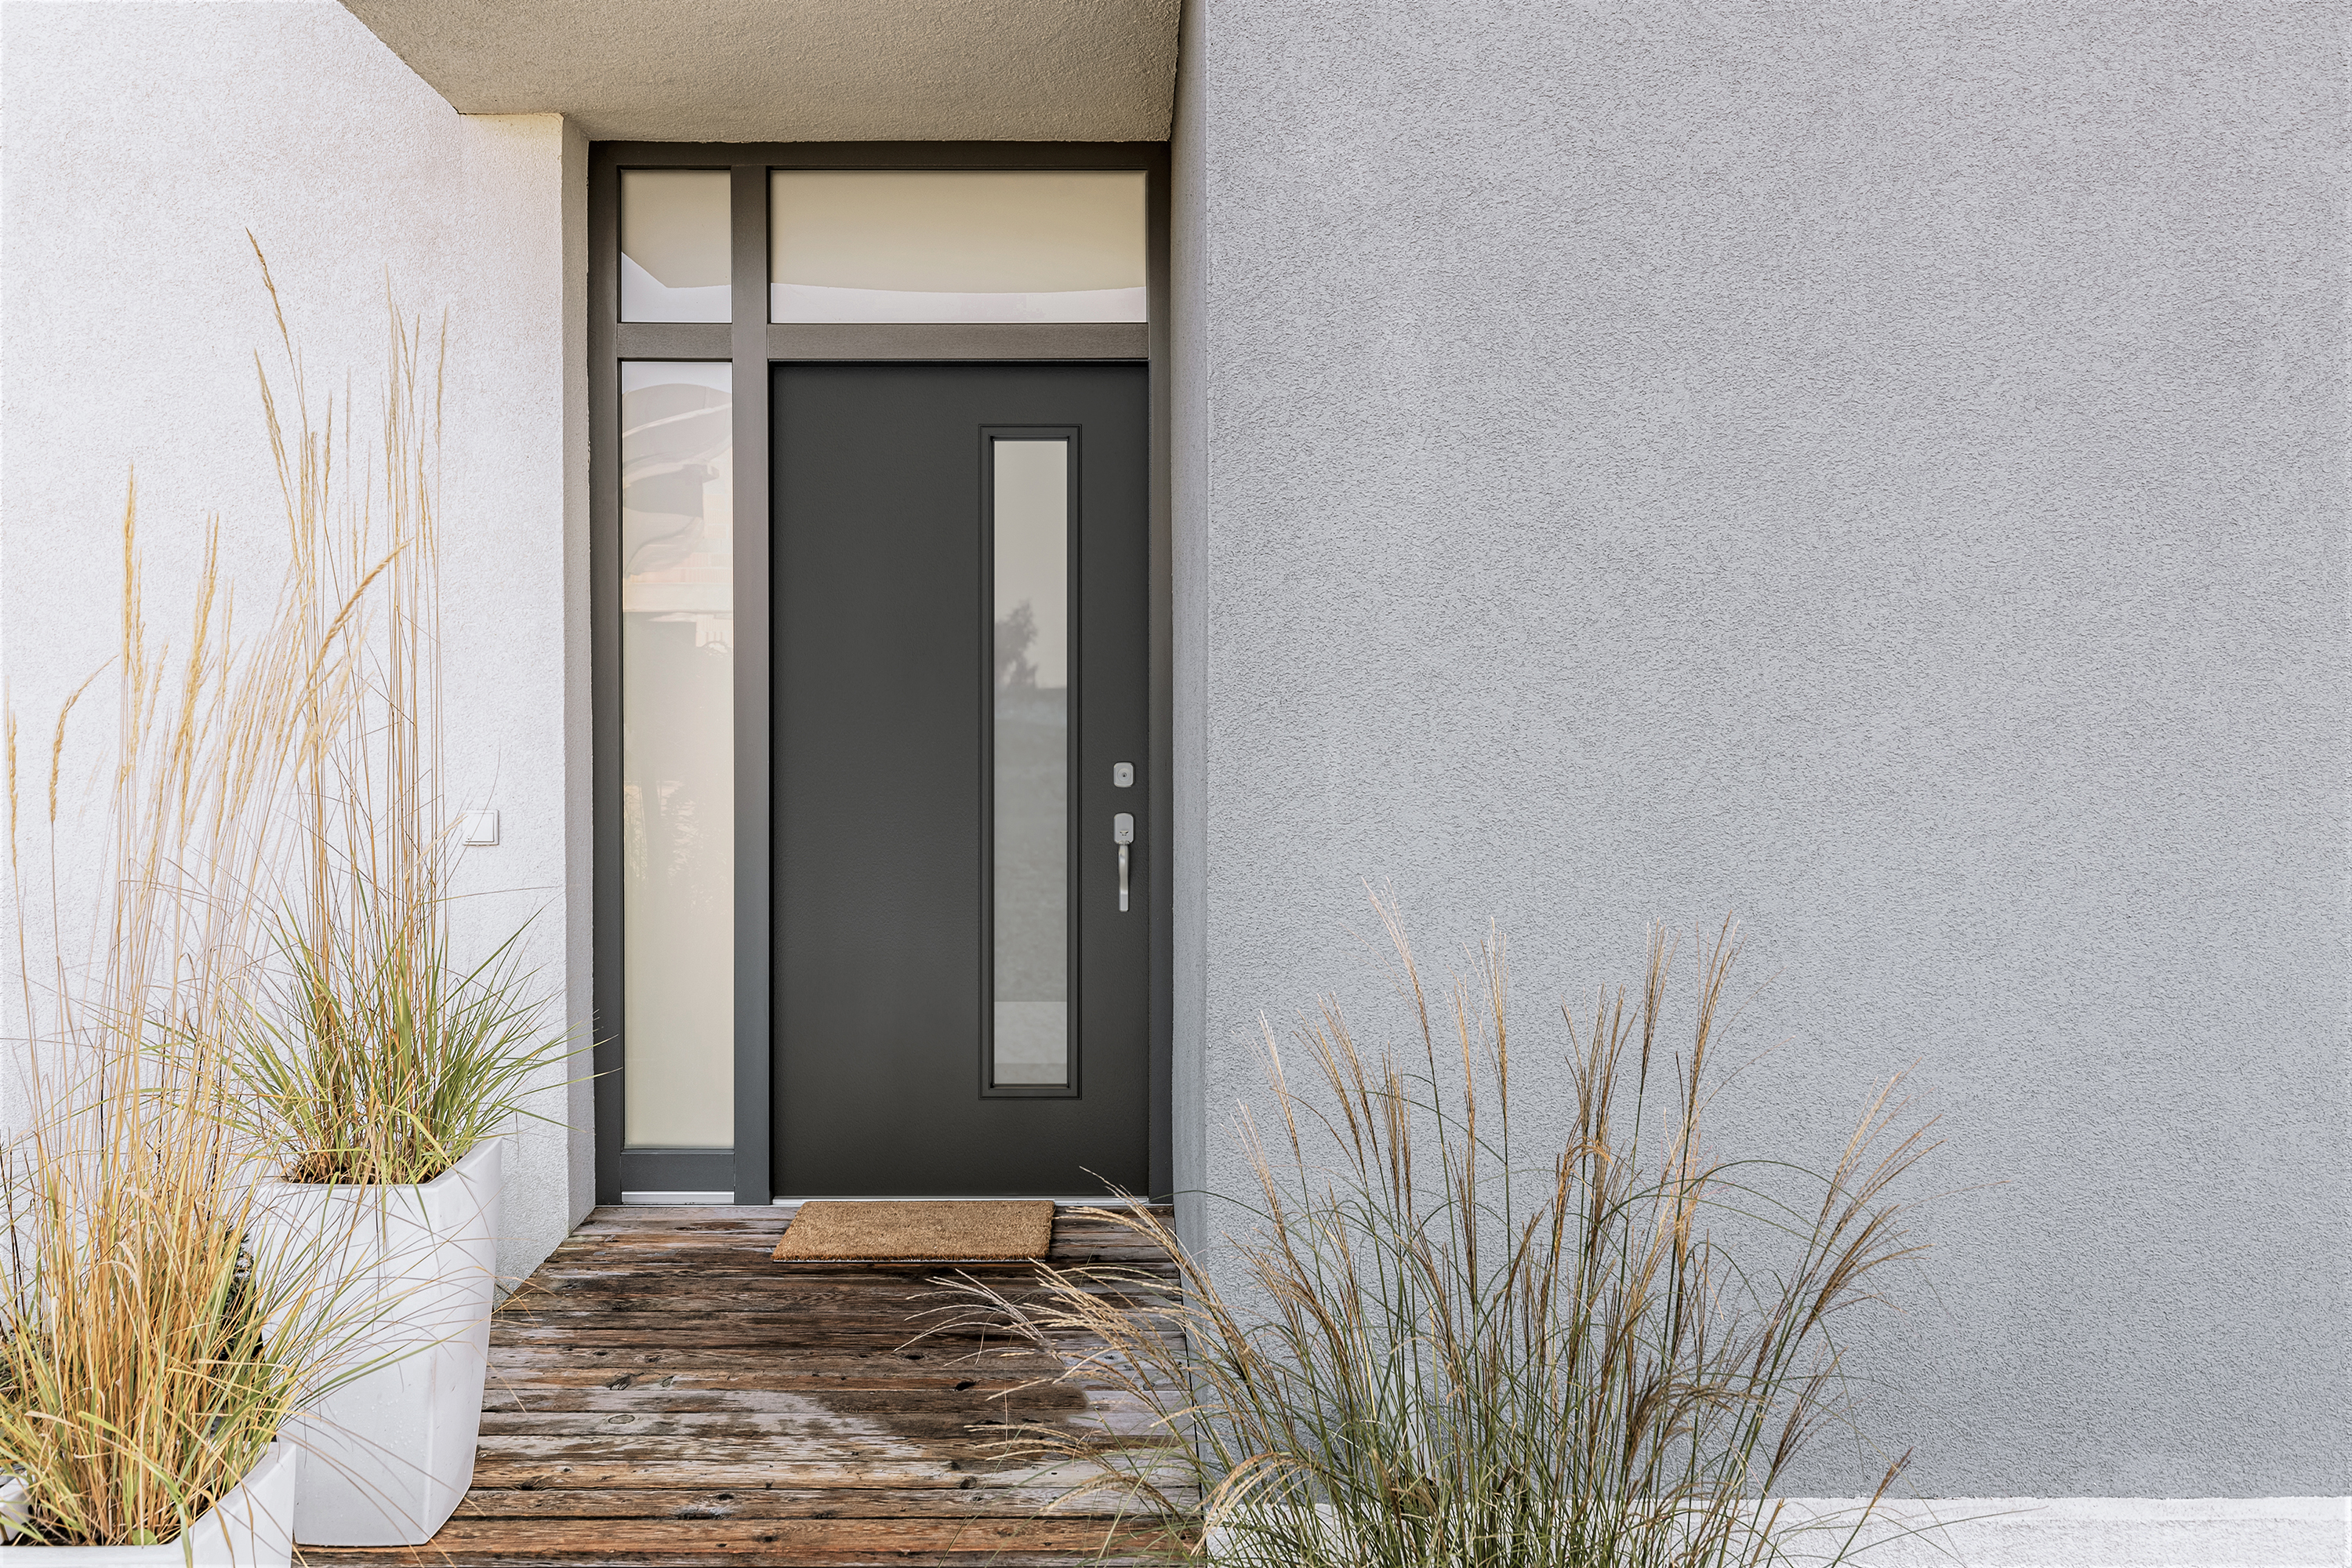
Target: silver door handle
(1122, 833)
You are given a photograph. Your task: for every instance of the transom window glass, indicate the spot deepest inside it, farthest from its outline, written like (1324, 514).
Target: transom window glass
(857, 245)
(674, 245)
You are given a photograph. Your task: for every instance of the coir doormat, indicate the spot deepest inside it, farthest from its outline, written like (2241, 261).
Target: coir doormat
(974, 1231)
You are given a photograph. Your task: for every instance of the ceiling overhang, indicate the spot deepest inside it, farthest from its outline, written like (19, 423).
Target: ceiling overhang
(799, 70)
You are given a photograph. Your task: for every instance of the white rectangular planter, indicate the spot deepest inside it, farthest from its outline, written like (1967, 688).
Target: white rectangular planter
(390, 1454)
(252, 1527)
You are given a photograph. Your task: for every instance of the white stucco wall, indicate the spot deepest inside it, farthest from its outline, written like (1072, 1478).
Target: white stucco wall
(141, 142)
(1877, 469)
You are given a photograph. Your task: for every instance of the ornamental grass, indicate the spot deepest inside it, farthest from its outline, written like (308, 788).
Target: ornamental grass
(154, 1331)
(368, 1053)
(1451, 1330)
(271, 992)
(152, 1339)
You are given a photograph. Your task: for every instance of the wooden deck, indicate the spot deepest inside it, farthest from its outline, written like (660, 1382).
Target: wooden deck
(661, 1392)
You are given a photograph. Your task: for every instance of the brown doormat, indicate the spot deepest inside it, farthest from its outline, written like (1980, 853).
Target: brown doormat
(972, 1231)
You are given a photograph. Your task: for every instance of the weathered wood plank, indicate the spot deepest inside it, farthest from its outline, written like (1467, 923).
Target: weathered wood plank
(753, 1270)
(815, 1420)
(767, 1557)
(819, 1424)
(765, 1335)
(914, 1308)
(1069, 1230)
(1070, 1237)
(782, 1332)
(1069, 1243)
(597, 1467)
(771, 1502)
(521, 1368)
(979, 1401)
(627, 1277)
(524, 1368)
(803, 1460)
(688, 1213)
(606, 1539)
(639, 1400)
(520, 1556)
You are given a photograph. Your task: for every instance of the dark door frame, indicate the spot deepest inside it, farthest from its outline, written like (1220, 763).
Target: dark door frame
(752, 344)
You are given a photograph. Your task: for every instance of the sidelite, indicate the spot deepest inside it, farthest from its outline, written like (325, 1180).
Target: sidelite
(1030, 767)
(678, 756)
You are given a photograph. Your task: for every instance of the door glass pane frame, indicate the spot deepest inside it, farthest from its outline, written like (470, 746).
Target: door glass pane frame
(754, 345)
(1071, 1085)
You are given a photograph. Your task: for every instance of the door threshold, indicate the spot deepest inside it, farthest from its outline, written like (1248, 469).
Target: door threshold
(723, 1199)
(899, 1198)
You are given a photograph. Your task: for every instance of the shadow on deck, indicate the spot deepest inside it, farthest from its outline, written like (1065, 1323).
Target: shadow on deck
(661, 1392)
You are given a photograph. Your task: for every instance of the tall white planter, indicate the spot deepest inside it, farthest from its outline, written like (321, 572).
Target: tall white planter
(390, 1454)
(249, 1528)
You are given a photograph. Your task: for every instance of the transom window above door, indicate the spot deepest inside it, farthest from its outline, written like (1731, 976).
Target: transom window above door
(878, 246)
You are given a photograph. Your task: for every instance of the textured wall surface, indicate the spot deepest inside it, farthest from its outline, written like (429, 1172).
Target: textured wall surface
(1880, 470)
(817, 71)
(142, 141)
(1189, 538)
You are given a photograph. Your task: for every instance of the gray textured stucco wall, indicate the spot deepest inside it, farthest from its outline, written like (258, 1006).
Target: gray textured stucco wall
(1190, 535)
(1877, 469)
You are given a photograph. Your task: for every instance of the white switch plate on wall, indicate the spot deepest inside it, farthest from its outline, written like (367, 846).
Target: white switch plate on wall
(479, 827)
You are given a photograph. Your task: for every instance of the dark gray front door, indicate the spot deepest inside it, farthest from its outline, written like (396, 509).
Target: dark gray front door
(960, 627)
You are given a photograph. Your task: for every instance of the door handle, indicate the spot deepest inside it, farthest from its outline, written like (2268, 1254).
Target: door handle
(1122, 833)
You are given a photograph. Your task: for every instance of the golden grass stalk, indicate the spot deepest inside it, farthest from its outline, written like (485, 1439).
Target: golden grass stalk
(371, 1056)
(155, 1333)
(1439, 1338)
(150, 1340)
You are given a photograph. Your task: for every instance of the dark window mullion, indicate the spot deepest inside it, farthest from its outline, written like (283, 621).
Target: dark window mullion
(753, 819)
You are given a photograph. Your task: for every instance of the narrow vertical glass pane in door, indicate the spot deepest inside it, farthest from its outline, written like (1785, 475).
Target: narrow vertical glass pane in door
(677, 753)
(1031, 905)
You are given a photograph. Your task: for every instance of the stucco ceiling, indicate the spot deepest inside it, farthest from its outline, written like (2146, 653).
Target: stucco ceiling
(799, 70)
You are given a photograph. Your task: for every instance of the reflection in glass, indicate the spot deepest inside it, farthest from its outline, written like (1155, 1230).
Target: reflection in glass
(674, 246)
(1033, 763)
(677, 754)
(901, 245)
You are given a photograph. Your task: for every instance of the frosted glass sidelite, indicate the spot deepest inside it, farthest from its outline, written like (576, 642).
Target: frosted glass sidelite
(674, 246)
(1032, 734)
(677, 753)
(904, 245)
